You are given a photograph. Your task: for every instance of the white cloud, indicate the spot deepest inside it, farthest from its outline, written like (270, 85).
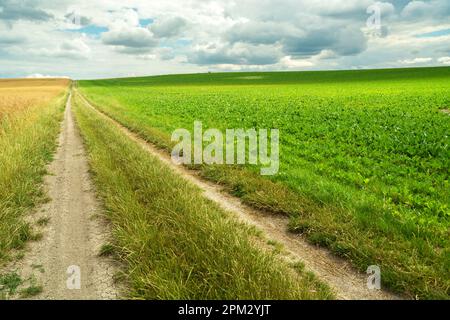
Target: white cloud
(444, 60)
(130, 37)
(42, 76)
(416, 61)
(417, 8)
(68, 49)
(290, 63)
(427, 10)
(198, 35)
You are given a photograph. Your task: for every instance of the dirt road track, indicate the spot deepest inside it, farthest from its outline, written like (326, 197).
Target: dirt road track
(75, 231)
(347, 283)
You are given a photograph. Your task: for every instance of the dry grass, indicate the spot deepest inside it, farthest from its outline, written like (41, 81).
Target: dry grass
(30, 115)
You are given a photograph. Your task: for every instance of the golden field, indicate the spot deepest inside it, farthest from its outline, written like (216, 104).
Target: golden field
(19, 94)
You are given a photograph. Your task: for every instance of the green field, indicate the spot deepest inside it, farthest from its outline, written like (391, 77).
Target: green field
(364, 164)
(175, 244)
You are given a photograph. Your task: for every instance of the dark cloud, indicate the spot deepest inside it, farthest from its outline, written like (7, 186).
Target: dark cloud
(399, 4)
(22, 10)
(169, 27)
(133, 50)
(311, 44)
(259, 32)
(6, 40)
(136, 38)
(236, 54)
(75, 49)
(297, 42)
(77, 19)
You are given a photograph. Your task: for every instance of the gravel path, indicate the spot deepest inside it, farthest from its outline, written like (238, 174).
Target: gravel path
(75, 231)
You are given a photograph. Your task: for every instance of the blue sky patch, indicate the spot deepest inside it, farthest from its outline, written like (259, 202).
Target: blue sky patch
(92, 30)
(145, 22)
(438, 33)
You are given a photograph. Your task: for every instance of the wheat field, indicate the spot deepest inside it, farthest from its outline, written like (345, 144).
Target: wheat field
(19, 94)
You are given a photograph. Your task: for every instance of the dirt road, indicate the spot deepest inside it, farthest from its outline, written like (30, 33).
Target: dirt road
(75, 231)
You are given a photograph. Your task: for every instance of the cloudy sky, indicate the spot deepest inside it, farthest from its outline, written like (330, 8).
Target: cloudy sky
(116, 38)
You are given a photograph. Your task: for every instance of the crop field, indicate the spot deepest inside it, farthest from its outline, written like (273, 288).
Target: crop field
(17, 95)
(175, 244)
(364, 161)
(30, 114)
